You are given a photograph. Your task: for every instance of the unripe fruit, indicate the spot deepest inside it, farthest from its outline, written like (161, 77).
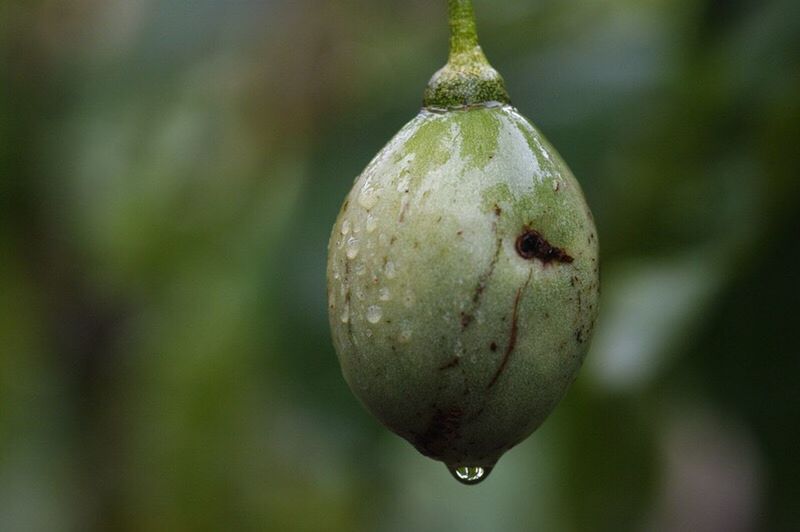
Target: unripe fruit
(463, 272)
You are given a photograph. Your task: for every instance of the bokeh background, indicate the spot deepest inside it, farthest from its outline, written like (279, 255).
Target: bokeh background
(170, 171)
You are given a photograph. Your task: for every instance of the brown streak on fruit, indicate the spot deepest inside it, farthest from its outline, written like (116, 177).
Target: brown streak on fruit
(403, 211)
(469, 315)
(532, 245)
(512, 336)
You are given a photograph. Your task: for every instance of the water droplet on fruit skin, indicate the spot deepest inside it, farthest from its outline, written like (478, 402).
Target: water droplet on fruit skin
(372, 223)
(384, 294)
(374, 314)
(345, 227)
(470, 475)
(404, 337)
(368, 197)
(390, 270)
(352, 248)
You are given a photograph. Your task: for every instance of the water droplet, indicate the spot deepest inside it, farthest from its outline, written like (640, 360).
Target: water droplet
(368, 197)
(405, 333)
(372, 223)
(360, 269)
(470, 474)
(345, 227)
(345, 317)
(352, 248)
(374, 314)
(384, 294)
(368, 332)
(458, 350)
(383, 240)
(390, 270)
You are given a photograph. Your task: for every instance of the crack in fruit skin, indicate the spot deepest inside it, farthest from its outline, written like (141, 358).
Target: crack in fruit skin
(466, 259)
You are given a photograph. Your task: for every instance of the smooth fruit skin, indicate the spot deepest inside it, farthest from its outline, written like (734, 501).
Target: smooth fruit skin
(463, 283)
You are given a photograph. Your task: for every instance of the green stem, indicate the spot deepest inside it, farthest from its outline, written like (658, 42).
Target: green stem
(463, 33)
(467, 80)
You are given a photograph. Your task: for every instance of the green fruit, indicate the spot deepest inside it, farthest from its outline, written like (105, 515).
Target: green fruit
(463, 271)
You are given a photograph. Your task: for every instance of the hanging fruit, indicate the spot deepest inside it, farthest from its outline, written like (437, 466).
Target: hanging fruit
(463, 271)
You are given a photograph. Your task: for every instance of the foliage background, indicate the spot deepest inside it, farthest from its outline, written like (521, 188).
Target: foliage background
(169, 172)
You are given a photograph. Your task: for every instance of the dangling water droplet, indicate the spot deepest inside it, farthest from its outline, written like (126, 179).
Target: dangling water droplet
(470, 475)
(352, 248)
(374, 314)
(345, 317)
(345, 227)
(360, 269)
(384, 294)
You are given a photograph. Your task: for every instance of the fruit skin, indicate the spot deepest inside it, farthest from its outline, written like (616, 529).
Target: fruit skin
(444, 330)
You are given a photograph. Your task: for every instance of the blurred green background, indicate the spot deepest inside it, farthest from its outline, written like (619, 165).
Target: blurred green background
(170, 171)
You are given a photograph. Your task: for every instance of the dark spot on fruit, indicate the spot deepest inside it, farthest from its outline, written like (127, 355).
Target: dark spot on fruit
(497, 210)
(459, 233)
(532, 245)
(493, 346)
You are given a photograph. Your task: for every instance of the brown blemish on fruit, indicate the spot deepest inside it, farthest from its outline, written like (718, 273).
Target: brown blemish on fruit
(512, 336)
(468, 315)
(532, 245)
(441, 430)
(449, 365)
(493, 346)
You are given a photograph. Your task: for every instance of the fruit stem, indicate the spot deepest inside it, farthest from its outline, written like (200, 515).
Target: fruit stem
(467, 80)
(463, 32)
